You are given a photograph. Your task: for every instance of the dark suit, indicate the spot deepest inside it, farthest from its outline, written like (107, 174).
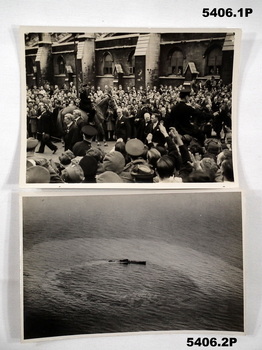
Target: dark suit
(123, 129)
(144, 129)
(158, 137)
(72, 136)
(182, 117)
(45, 126)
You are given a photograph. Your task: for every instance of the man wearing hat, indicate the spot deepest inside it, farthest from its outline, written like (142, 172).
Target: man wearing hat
(37, 174)
(31, 144)
(183, 116)
(80, 148)
(143, 173)
(135, 149)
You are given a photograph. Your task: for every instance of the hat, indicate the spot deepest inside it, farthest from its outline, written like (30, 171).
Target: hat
(69, 154)
(134, 147)
(73, 174)
(31, 143)
(114, 161)
(184, 92)
(66, 157)
(97, 153)
(143, 171)
(89, 130)
(37, 174)
(214, 147)
(30, 162)
(89, 166)
(108, 176)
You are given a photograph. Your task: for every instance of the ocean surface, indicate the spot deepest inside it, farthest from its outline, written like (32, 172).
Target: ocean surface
(192, 280)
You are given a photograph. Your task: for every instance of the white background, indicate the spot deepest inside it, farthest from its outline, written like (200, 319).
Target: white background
(133, 13)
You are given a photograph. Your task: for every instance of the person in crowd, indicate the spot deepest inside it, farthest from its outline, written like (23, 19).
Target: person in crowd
(89, 167)
(165, 169)
(80, 148)
(108, 177)
(179, 155)
(227, 170)
(122, 127)
(182, 117)
(110, 119)
(31, 144)
(32, 116)
(143, 173)
(144, 127)
(136, 151)
(114, 161)
(37, 174)
(71, 131)
(45, 126)
(157, 136)
(152, 156)
(204, 131)
(73, 174)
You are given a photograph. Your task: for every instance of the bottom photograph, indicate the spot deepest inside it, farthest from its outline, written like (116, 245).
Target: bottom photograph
(140, 262)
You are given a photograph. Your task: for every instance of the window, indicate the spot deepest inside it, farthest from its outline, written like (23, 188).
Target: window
(108, 64)
(214, 61)
(177, 63)
(29, 65)
(131, 61)
(61, 65)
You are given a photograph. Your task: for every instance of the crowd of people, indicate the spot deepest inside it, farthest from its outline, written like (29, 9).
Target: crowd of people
(165, 134)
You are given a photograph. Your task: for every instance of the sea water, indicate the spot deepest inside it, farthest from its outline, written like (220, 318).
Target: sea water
(192, 280)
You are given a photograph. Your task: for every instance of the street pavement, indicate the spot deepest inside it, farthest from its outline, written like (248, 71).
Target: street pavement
(48, 154)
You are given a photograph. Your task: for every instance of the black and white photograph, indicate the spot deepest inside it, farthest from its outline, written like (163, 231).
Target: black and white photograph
(146, 108)
(128, 263)
(131, 189)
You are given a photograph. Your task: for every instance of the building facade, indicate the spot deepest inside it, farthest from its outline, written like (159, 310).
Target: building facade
(127, 59)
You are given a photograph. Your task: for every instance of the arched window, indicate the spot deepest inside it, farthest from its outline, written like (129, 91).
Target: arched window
(131, 61)
(108, 64)
(214, 61)
(29, 65)
(61, 65)
(177, 62)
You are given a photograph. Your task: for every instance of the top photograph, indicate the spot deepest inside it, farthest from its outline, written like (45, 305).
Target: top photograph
(128, 109)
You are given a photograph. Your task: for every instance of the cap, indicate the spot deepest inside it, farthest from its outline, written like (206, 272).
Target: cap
(108, 177)
(31, 143)
(89, 130)
(114, 161)
(143, 171)
(135, 147)
(73, 174)
(37, 174)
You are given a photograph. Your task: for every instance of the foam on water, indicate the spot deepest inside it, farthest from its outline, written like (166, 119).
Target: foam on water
(178, 288)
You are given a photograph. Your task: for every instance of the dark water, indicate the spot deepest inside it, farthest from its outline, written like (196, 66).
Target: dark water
(192, 280)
